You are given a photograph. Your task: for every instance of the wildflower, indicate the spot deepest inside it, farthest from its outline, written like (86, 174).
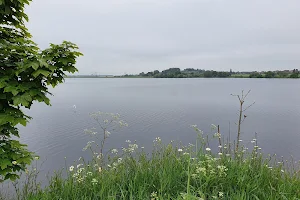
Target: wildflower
(194, 126)
(259, 148)
(255, 146)
(154, 195)
(240, 140)
(200, 170)
(89, 173)
(218, 135)
(252, 141)
(270, 167)
(79, 165)
(71, 168)
(142, 147)
(220, 146)
(36, 158)
(94, 181)
(99, 156)
(282, 171)
(214, 197)
(109, 166)
(221, 194)
(79, 180)
(128, 141)
(114, 151)
(186, 153)
(99, 169)
(220, 154)
(180, 150)
(80, 170)
(208, 149)
(14, 162)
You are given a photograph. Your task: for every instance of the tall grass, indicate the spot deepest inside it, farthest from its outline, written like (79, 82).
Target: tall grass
(176, 172)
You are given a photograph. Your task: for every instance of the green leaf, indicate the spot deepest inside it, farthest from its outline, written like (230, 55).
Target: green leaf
(35, 65)
(52, 68)
(22, 121)
(2, 84)
(20, 100)
(26, 160)
(27, 97)
(12, 177)
(4, 163)
(11, 89)
(5, 118)
(40, 71)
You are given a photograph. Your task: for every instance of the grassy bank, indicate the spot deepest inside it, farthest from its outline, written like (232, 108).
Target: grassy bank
(172, 171)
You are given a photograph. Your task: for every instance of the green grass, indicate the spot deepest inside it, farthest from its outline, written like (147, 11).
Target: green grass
(169, 173)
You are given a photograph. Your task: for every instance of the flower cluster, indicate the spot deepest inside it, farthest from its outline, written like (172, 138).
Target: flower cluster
(157, 140)
(209, 167)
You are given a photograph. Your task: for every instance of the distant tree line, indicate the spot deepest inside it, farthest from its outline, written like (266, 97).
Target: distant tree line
(201, 73)
(186, 73)
(276, 74)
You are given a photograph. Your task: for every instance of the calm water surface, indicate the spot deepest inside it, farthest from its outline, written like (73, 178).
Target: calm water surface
(164, 108)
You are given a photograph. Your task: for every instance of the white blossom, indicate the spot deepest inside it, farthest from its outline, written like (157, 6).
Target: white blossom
(208, 149)
(71, 168)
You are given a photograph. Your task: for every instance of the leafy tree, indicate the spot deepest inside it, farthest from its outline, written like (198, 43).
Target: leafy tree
(149, 74)
(294, 75)
(25, 75)
(269, 74)
(173, 71)
(208, 74)
(155, 72)
(255, 75)
(282, 74)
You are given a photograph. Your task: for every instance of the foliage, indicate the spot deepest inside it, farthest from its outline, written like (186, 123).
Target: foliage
(214, 74)
(255, 75)
(176, 172)
(269, 74)
(196, 73)
(295, 74)
(25, 74)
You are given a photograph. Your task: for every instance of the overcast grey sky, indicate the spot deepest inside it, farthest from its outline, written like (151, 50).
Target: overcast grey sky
(130, 36)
